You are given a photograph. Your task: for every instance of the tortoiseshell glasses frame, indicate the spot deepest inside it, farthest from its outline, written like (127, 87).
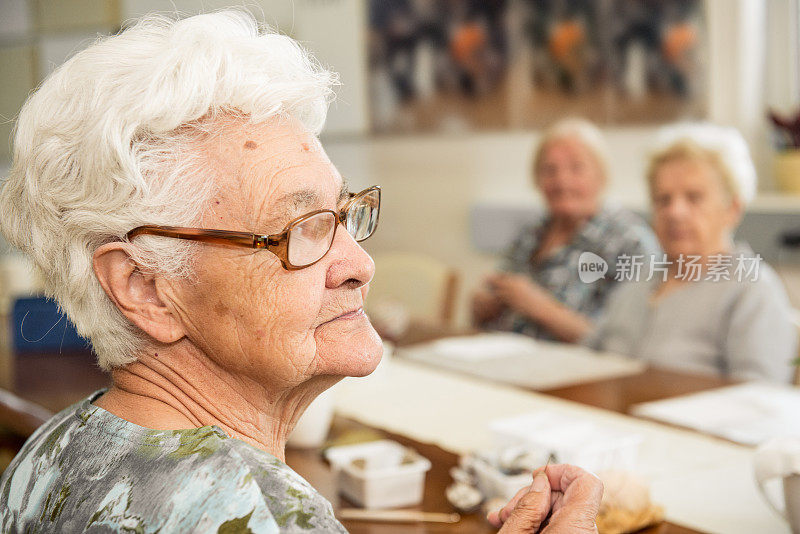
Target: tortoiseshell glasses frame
(280, 244)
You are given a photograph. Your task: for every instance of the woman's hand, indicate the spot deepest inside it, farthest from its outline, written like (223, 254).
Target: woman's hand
(486, 306)
(568, 494)
(530, 300)
(522, 295)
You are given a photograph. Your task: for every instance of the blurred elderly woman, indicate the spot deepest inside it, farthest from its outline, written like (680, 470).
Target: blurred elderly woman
(539, 291)
(169, 185)
(707, 305)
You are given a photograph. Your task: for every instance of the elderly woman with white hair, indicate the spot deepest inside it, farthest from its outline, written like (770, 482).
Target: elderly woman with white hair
(169, 186)
(708, 305)
(539, 290)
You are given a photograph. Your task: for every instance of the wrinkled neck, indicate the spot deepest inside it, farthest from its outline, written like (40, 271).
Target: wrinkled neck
(177, 389)
(569, 225)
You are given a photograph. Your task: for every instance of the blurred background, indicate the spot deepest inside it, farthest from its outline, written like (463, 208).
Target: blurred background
(441, 102)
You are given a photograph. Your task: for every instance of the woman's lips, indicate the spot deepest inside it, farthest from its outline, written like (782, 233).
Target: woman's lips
(351, 314)
(679, 234)
(348, 316)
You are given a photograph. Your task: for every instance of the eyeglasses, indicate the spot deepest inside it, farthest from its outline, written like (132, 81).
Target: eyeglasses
(304, 240)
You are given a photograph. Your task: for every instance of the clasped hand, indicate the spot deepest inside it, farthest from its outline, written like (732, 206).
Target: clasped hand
(562, 499)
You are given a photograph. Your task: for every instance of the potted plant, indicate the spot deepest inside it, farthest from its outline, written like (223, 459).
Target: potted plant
(787, 159)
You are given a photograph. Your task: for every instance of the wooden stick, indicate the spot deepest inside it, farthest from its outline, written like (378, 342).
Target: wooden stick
(396, 516)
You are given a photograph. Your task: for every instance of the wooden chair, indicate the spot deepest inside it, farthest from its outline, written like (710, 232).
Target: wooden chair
(424, 286)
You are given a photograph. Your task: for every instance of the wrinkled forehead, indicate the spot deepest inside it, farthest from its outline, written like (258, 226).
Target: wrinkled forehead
(686, 174)
(271, 172)
(570, 147)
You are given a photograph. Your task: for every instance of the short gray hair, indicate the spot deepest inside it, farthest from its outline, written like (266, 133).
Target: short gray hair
(584, 131)
(102, 147)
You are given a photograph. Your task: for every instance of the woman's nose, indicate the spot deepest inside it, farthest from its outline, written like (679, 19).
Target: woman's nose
(350, 264)
(557, 176)
(678, 208)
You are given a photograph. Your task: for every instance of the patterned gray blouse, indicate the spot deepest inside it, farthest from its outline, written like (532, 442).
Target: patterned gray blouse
(609, 234)
(87, 470)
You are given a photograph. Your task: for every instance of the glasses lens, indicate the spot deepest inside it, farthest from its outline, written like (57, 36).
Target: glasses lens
(310, 239)
(362, 215)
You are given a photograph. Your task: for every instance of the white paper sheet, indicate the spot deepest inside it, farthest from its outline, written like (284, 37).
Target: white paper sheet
(522, 361)
(747, 413)
(702, 482)
(479, 347)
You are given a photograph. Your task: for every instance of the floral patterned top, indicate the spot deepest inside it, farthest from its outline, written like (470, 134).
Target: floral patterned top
(87, 470)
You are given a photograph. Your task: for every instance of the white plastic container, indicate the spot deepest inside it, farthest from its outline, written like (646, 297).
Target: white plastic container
(580, 442)
(384, 481)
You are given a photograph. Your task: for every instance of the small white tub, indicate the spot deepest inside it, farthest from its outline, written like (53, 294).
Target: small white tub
(387, 475)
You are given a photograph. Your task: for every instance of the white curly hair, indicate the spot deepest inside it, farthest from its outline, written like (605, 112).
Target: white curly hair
(104, 145)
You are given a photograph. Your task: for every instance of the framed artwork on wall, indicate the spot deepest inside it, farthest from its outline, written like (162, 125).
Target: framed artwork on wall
(452, 65)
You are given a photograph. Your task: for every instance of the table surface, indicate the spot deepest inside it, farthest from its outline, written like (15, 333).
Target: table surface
(57, 380)
(310, 466)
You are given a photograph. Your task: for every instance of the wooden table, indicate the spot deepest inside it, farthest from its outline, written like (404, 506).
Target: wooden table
(619, 394)
(55, 381)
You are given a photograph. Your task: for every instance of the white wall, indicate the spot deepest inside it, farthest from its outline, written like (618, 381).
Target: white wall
(782, 77)
(334, 30)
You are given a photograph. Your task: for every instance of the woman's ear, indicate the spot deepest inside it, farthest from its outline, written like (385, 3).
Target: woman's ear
(735, 212)
(134, 293)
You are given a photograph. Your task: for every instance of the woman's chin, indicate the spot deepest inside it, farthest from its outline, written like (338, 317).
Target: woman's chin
(681, 249)
(356, 354)
(569, 208)
(367, 366)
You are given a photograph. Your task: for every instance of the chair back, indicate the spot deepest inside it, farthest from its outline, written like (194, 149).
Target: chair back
(796, 322)
(19, 415)
(426, 287)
